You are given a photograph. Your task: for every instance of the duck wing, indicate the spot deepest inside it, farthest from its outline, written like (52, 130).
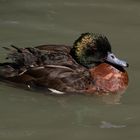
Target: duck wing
(51, 47)
(46, 66)
(54, 77)
(41, 55)
(61, 78)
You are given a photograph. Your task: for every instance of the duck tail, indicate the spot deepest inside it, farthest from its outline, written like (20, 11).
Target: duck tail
(11, 49)
(24, 57)
(8, 70)
(16, 48)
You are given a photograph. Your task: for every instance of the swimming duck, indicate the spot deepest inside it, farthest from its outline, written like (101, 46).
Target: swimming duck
(89, 66)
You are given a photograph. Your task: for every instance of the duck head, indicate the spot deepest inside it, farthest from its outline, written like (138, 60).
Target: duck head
(92, 49)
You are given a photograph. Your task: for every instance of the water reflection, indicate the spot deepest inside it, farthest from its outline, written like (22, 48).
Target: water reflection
(105, 124)
(112, 99)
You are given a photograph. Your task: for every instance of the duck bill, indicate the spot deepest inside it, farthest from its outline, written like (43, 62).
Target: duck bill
(114, 60)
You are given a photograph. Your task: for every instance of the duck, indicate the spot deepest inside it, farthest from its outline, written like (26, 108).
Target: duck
(87, 67)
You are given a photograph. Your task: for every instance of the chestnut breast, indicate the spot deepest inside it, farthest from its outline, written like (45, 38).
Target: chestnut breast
(107, 78)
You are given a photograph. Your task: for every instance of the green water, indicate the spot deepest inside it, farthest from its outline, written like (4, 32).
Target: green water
(26, 115)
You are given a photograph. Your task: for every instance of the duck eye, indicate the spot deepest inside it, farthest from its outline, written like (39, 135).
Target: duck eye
(112, 56)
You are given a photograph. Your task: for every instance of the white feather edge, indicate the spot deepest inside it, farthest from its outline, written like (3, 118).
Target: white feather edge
(52, 66)
(56, 91)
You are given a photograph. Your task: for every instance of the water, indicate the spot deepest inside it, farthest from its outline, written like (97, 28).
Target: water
(27, 115)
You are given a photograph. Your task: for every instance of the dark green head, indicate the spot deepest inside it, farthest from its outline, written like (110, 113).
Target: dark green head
(91, 49)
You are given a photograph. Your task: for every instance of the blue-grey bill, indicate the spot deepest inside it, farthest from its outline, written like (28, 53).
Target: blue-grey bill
(114, 60)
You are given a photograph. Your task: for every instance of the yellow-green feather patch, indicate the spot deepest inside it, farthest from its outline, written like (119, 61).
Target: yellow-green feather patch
(82, 43)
